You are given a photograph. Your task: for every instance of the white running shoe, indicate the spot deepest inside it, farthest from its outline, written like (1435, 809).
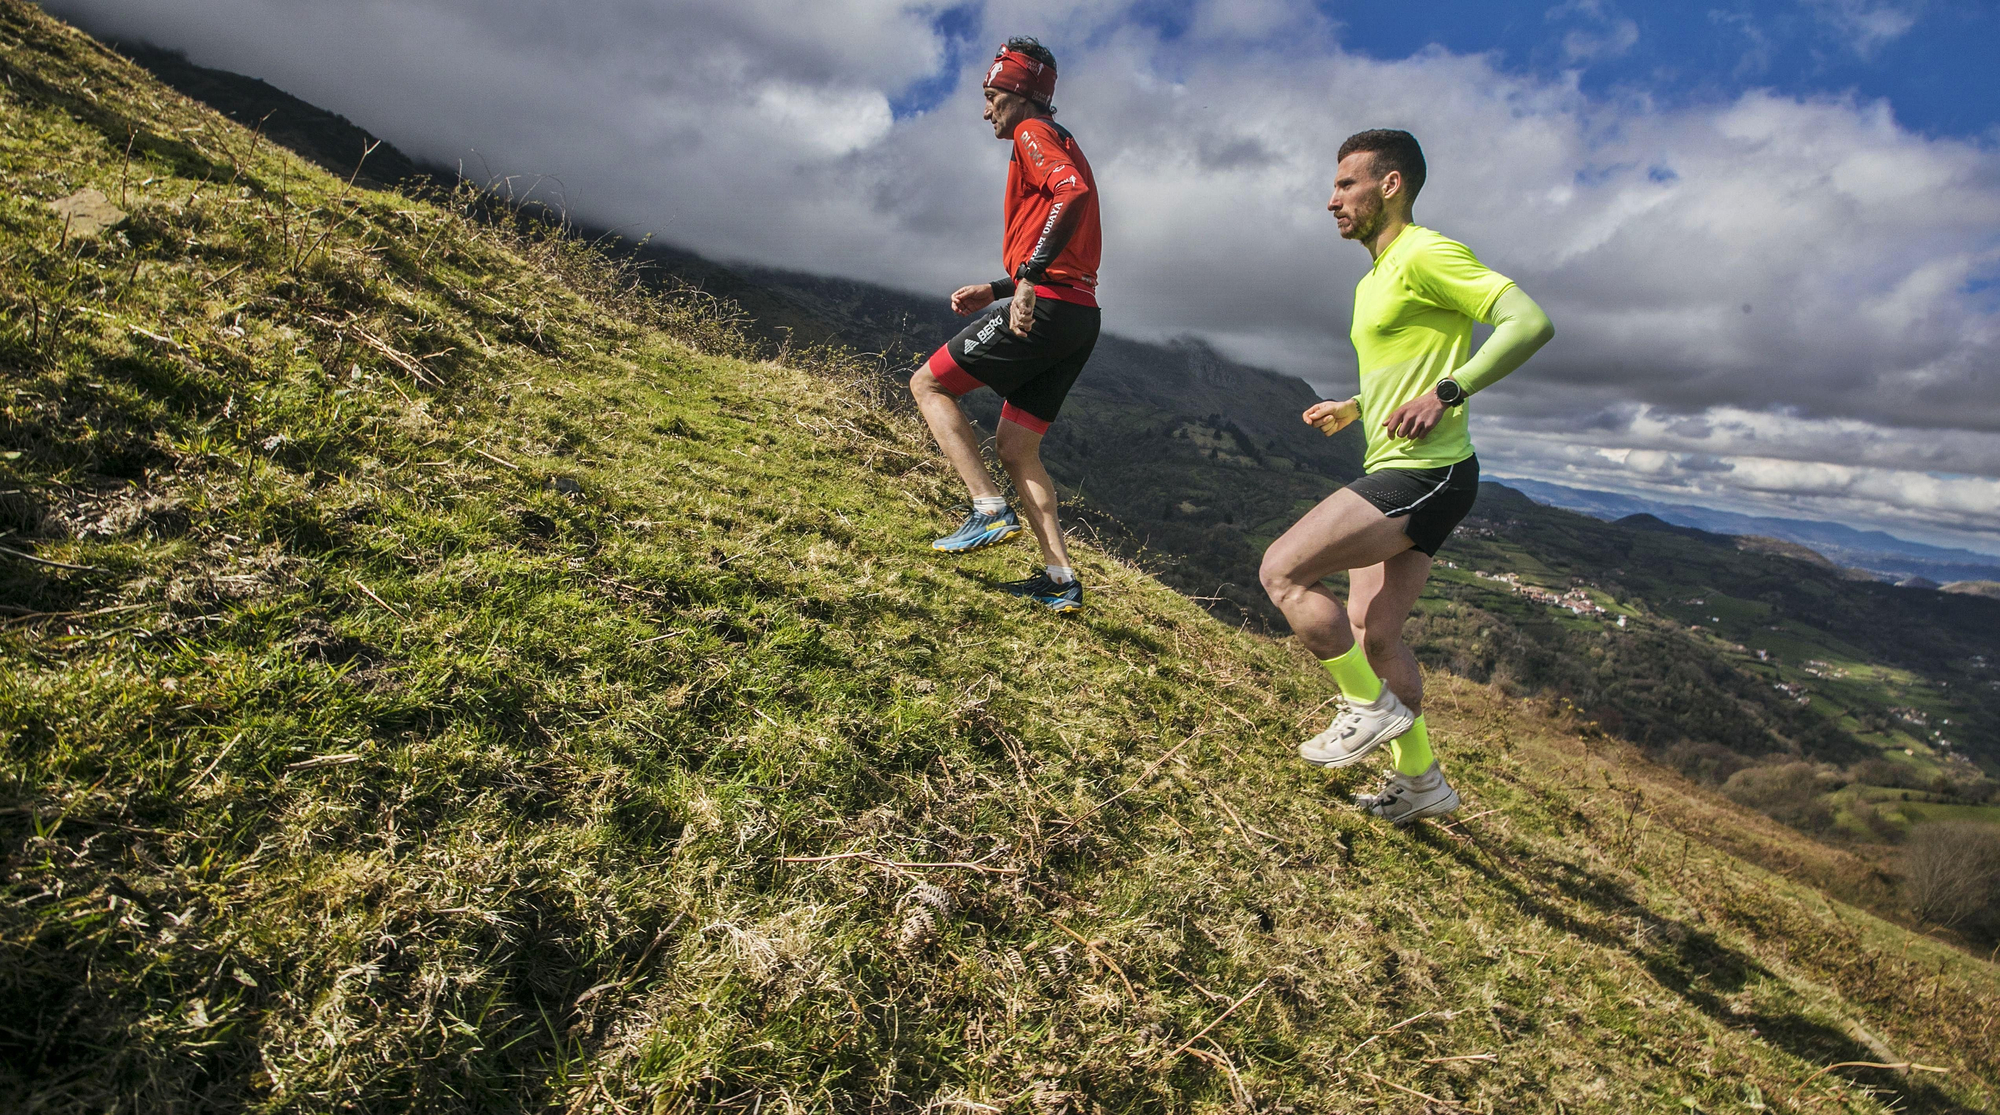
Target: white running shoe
(1405, 798)
(1358, 730)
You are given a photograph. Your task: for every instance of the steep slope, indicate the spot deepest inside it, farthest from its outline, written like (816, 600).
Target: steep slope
(437, 677)
(1201, 461)
(1223, 438)
(327, 139)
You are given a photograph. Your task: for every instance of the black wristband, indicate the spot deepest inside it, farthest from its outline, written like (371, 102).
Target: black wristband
(1002, 288)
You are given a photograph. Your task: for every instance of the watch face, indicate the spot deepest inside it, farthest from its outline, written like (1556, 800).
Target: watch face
(1449, 392)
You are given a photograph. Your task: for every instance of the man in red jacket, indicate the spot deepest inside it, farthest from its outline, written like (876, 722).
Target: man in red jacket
(1032, 343)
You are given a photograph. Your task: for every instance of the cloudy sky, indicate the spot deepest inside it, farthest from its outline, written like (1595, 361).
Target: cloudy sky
(1768, 231)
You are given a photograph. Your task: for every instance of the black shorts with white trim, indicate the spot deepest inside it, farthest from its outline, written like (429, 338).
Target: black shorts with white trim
(1433, 499)
(1033, 373)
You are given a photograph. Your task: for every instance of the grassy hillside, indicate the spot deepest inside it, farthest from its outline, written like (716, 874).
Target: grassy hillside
(1203, 462)
(1149, 420)
(437, 677)
(326, 139)
(1190, 451)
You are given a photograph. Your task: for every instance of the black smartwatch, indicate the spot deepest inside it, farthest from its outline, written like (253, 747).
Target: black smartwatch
(1449, 392)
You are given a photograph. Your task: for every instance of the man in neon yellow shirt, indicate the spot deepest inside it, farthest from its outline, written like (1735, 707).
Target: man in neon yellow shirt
(1413, 318)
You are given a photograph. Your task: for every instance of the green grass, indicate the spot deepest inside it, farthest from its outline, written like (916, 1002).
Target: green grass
(1925, 812)
(1896, 811)
(584, 724)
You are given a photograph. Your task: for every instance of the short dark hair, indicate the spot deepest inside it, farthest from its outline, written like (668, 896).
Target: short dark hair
(1393, 149)
(1033, 48)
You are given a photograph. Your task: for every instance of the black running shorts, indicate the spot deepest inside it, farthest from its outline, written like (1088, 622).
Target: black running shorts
(1433, 499)
(1033, 373)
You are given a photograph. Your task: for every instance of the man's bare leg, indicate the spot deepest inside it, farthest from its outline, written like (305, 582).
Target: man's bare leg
(953, 433)
(1345, 532)
(1379, 601)
(1021, 454)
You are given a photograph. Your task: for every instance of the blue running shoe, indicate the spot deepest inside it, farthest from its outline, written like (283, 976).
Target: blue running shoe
(979, 530)
(1039, 588)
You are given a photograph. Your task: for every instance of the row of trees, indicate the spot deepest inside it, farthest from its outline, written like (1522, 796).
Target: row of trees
(1964, 784)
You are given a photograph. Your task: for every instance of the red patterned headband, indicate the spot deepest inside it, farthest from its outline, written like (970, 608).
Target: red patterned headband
(1015, 72)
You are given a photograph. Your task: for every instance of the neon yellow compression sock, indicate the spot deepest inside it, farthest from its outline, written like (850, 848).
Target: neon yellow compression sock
(1354, 675)
(1411, 751)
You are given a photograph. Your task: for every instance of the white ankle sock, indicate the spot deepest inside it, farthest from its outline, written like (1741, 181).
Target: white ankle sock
(989, 505)
(1061, 574)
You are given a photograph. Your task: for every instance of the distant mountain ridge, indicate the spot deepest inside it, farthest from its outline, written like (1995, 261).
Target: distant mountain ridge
(332, 141)
(1877, 552)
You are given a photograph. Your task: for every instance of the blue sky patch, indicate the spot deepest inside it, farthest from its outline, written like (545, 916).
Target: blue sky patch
(1931, 59)
(959, 28)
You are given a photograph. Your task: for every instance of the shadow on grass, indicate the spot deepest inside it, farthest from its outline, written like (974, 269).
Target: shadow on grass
(94, 958)
(1688, 961)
